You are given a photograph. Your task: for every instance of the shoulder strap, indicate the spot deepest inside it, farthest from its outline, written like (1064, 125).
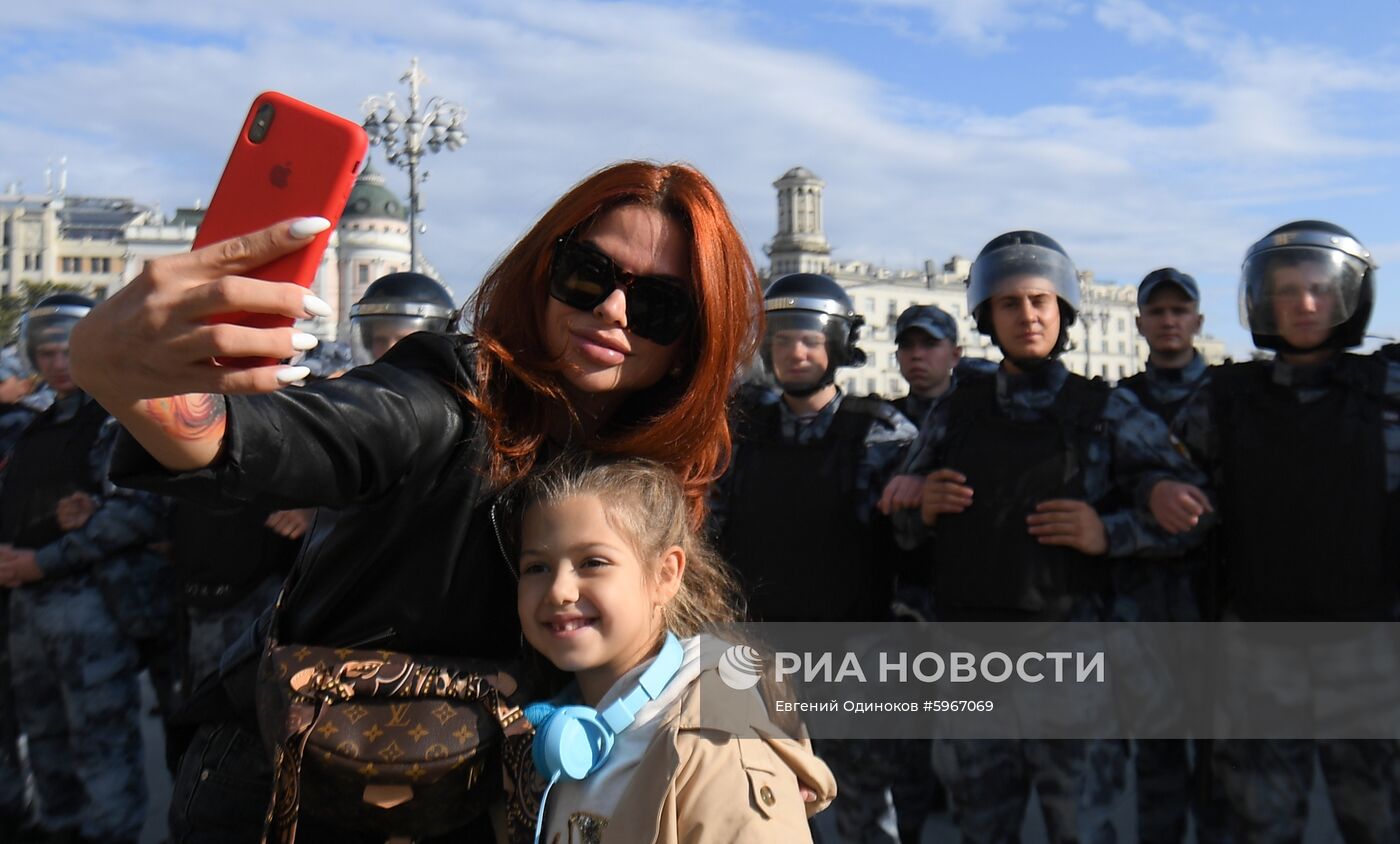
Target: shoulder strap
(1231, 387)
(752, 420)
(970, 399)
(870, 407)
(1137, 383)
(1081, 402)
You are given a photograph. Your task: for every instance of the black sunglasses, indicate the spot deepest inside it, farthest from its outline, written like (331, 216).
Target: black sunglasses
(659, 307)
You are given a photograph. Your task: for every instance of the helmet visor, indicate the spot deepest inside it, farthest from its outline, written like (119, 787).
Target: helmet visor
(37, 332)
(800, 347)
(1300, 293)
(372, 336)
(991, 271)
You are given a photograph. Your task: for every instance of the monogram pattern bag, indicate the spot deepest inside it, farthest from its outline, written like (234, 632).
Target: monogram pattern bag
(381, 740)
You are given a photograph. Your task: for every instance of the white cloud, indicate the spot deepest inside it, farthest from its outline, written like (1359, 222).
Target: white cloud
(1258, 98)
(557, 88)
(977, 24)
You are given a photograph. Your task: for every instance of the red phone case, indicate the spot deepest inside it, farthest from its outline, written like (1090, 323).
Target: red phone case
(305, 166)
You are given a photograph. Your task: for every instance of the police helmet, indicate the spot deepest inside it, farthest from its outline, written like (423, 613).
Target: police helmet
(393, 307)
(810, 302)
(51, 321)
(1022, 253)
(1309, 279)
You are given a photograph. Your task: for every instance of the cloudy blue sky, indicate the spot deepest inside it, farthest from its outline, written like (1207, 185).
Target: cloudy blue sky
(1137, 132)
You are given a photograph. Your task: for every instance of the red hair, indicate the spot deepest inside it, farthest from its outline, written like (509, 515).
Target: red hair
(680, 422)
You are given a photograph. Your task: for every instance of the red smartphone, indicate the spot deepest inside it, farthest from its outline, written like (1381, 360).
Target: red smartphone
(291, 159)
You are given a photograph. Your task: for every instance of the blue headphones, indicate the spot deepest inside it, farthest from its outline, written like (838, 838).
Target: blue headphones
(572, 742)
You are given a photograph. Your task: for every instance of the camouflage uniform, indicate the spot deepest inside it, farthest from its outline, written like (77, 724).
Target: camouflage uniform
(1268, 783)
(1077, 780)
(914, 784)
(75, 667)
(211, 631)
(1169, 779)
(13, 420)
(863, 811)
(229, 568)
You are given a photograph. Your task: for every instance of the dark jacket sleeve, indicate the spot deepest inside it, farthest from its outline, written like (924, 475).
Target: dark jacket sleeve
(332, 443)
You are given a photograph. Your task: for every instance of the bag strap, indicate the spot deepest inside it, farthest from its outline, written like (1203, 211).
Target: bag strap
(398, 676)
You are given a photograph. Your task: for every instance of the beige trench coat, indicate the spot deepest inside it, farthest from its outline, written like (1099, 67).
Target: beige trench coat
(718, 771)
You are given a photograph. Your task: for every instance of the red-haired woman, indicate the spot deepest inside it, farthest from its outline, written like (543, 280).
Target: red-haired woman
(615, 325)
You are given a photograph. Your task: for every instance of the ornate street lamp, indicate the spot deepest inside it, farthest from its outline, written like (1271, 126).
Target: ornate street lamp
(405, 137)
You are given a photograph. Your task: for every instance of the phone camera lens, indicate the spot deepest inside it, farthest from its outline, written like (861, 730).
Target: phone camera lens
(262, 121)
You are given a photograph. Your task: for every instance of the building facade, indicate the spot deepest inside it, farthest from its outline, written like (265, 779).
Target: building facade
(66, 240)
(101, 243)
(1104, 340)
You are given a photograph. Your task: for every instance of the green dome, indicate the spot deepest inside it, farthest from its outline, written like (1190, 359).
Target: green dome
(371, 199)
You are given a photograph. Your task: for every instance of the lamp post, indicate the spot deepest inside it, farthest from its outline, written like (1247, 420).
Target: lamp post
(404, 137)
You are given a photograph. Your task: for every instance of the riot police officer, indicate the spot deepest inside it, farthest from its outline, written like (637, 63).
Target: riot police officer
(795, 513)
(1169, 780)
(928, 354)
(394, 307)
(1043, 451)
(927, 350)
(1279, 438)
(814, 437)
(84, 591)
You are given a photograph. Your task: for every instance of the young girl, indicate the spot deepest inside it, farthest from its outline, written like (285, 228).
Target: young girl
(615, 587)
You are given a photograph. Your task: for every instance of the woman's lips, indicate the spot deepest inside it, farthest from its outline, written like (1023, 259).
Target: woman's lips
(597, 351)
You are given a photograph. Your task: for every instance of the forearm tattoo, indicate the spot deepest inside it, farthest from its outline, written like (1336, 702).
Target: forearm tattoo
(196, 416)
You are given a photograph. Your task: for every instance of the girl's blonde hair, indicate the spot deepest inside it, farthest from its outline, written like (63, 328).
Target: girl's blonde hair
(645, 502)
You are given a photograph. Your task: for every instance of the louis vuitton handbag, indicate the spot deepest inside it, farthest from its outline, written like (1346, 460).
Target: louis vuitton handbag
(383, 741)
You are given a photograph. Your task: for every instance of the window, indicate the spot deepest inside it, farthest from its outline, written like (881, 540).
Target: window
(1103, 346)
(28, 261)
(99, 293)
(1103, 370)
(1122, 326)
(870, 385)
(1122, 347)
(102, 265)
(894, 386)
(72, 265)
(1122, 371)
(5, 261)
(894, 359)
(362, 275)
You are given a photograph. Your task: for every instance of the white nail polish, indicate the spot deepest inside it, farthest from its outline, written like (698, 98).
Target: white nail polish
(288, 374)
(316, 306)
(302, 341)
(307, 226)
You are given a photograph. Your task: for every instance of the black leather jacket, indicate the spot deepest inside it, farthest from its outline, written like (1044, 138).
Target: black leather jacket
(412, 560)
